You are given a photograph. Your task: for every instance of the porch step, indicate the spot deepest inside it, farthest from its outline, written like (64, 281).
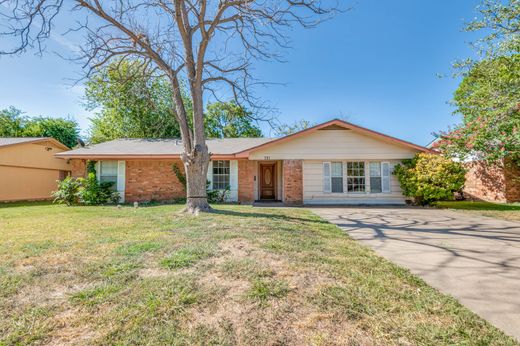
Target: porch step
(268, 204)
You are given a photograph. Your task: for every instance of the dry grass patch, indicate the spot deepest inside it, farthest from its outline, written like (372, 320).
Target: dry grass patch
(103, 275)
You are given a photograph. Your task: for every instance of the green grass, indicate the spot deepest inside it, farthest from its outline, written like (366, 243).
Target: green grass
(241, 275)
(497, 210)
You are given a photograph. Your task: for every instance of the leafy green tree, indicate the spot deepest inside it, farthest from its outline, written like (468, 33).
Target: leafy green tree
(488, 98)
(489, 101)
(500, 21)
(14, 124)
(229, 120)
(131, 105)
(64, 130)
(429, 177)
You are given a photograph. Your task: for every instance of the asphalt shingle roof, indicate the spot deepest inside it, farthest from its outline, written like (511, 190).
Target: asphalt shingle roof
(141, 146)
(18, 140)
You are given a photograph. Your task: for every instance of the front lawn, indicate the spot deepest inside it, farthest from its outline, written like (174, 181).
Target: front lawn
(242, 275)
(497, 210)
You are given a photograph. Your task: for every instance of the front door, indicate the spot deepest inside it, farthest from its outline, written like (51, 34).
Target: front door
(267, 181)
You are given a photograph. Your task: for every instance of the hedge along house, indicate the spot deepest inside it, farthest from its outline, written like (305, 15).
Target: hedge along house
(332, 163)
(28, 168)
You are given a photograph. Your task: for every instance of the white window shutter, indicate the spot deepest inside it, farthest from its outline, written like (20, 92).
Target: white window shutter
(326, 177)
(233, 180)
(385, 179)
(121, 179)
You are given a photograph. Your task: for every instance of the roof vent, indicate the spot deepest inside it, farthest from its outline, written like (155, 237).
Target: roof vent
(335, 127)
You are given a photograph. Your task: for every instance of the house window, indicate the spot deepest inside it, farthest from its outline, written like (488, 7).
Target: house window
(220, 175)
(375, 177)
(108, 172)
(337, 177)
(356, 176)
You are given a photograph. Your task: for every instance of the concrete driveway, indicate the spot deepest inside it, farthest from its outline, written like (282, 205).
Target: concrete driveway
(475, 259)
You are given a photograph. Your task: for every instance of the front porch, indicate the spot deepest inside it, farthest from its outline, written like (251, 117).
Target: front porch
(271, 182)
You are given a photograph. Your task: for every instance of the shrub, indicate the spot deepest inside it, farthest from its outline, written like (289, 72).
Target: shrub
(214, 196)
(217, 196)
(67, 191)
(85, 191)
(429, 177)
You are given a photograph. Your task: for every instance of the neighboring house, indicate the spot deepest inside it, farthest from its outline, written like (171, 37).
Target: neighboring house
(499, 182)
(332, 163)
(493, 183)
(28, 168)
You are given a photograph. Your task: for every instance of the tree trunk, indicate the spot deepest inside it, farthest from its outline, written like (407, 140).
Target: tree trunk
(196, 167)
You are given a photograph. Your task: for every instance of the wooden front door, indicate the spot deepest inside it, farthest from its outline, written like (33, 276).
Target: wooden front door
(267, 181)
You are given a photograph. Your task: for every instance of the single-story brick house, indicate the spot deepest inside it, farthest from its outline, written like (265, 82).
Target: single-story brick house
(332, 163)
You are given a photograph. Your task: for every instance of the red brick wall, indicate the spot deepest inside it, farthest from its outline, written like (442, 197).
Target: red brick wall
(512, 179)
(148, 180)
(246, 182)
(497, 183)
(78, 168)
(293, 181)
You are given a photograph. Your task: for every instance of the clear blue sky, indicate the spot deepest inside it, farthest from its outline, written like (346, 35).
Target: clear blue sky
(376, 66)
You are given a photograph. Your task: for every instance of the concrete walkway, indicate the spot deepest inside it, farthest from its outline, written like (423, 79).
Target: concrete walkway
(475, 259)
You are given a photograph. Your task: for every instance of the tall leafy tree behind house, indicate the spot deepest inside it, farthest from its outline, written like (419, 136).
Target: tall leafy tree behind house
(229, 120)
(14, 124)
(488, 98)
(130, 103)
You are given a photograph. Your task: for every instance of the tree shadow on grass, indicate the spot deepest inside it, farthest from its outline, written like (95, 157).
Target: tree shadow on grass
(270, 216)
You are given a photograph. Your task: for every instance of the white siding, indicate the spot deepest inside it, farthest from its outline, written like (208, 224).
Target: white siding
(313, 187)
(335, 145)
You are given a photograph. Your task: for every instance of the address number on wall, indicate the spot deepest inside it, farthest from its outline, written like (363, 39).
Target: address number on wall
(267, 157)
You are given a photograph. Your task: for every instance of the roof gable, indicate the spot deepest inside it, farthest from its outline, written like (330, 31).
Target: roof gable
(9, 141)
(336, 124)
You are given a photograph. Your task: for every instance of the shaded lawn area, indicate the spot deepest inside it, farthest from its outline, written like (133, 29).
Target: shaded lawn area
(497, 210)
(242, 275)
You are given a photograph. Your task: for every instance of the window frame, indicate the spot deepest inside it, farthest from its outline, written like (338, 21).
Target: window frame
(364, 176)
(100, 174)
(341, 176)
(380, 176)
(215, 165)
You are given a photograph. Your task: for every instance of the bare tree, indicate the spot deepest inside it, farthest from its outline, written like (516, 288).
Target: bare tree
(209, 44)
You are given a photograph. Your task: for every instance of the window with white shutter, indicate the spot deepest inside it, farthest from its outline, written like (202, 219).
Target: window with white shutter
(385, 173)
(326, 177)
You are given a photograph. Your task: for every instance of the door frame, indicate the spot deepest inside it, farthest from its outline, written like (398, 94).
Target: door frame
(274, 178)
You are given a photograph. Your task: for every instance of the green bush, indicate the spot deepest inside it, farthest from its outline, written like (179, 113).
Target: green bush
(67, 191)
(429, 178)
(85, 191)
(217, 196)
(214, 196)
